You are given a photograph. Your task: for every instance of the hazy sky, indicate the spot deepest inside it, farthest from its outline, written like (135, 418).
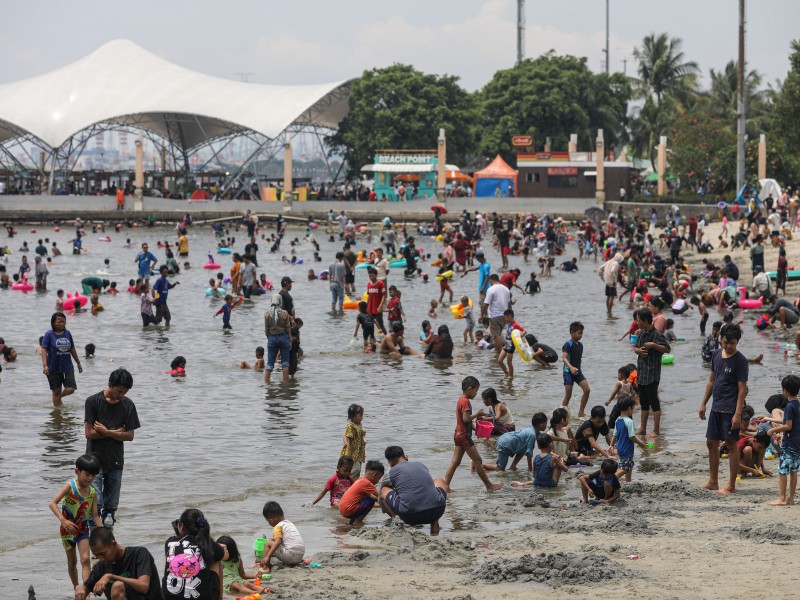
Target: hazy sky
(314, 41)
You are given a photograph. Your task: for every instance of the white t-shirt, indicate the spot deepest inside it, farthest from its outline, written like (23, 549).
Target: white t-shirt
(498, 297)
(292, 541)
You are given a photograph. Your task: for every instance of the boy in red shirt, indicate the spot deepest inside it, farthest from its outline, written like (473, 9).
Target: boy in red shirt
(376, 298)
(394, 309)
(359, 499)
(463, 436)
(339, 482)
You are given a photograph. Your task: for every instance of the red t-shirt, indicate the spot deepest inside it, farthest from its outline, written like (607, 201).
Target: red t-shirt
(362, 488)
(508, 279)
(463, 405)
(337, 486)
(375, 294)
(393, 309)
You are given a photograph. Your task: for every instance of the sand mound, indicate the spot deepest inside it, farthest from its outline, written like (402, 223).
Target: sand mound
(767, 533)
(552, 569)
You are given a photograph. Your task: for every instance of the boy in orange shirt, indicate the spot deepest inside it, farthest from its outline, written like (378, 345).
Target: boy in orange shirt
(360, 497)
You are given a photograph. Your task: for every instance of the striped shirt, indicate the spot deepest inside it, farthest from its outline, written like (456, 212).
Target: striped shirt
(649, 367)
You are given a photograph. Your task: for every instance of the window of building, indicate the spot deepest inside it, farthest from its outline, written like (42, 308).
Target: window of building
(532, 177)
(562, 181)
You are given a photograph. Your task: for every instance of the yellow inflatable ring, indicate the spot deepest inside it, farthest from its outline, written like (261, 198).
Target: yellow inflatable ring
(458, 309)
(522, 345)
(445, 275)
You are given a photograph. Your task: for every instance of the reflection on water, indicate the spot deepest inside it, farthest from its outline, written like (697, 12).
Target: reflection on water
(60, 435)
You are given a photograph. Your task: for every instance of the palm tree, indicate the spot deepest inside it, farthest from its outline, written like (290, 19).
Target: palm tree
(723, 95)
(662, 70)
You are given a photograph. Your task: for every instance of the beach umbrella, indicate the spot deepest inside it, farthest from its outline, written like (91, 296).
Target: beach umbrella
(594, 210)
(722, 204)
(439, 207)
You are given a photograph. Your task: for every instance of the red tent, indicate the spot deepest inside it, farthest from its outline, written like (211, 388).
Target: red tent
(199, 195)
(496, 173)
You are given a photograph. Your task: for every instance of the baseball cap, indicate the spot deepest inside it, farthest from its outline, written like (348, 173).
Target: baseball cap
(286, 280)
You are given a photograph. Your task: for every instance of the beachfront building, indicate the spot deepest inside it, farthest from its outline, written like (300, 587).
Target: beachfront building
(406, 174)
(570, 175)
(47, 123)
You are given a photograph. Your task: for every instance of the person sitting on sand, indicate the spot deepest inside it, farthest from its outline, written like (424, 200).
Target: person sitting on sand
(392, 344)
(602, 484)
(547, 466)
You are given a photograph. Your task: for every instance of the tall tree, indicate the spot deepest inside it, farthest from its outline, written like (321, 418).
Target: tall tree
(722, 99)
(399, 107)
(552, 96)
(667, 84)
(787, 105)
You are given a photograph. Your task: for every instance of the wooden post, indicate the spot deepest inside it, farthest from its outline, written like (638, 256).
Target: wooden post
(762, 157)
(662, 166)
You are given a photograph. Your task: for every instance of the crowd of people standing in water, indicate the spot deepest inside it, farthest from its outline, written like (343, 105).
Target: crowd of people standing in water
(634, 274)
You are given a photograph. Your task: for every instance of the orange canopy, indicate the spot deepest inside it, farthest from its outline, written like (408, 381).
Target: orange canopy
(498, 170)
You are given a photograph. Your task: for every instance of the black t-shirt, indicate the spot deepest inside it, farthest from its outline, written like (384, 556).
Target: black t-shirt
(502, 237)
(365, 319)
(186, 574)
(288, 302)
(134, 563)
(116, 415)
(251, 249)
(587, 430)
(732, 270)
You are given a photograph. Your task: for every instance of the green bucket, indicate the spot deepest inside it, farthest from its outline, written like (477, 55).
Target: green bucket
(258, 547)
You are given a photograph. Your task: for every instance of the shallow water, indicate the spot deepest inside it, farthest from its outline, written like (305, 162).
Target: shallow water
(223, 441)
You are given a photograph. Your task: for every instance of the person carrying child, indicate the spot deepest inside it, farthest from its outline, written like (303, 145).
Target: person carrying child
(789, 461)
(547, 466)
(507, 353)
(463, 436)
(518, 444)
(286, 543)
(572, 355)
(234, 578)
(75, 505)
(361, 497)
(603, 485)
(728, 385)
(338, 483)
(354, 440)
(624, 439)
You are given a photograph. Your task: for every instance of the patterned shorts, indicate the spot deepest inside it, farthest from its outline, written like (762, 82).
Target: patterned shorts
(788, 463)
(626, 464)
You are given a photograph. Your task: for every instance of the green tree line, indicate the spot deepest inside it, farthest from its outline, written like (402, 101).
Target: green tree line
(553, 96)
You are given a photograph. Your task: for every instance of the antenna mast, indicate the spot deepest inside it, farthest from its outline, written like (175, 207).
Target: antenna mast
(520, 31)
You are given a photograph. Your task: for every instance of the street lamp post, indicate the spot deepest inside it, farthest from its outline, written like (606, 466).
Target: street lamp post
(740, 106)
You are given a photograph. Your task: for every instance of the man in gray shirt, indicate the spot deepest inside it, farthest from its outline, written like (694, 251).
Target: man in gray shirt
(248, 272)
(411, 493)
(337, 271)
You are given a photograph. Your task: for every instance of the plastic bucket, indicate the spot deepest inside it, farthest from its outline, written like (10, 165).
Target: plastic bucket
(483, 429)
(634, 338)
(258, 547)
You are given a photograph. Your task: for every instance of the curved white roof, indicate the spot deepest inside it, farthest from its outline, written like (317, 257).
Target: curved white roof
(124, 83)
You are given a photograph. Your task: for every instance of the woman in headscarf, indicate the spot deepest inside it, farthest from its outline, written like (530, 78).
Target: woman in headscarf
(278, 329)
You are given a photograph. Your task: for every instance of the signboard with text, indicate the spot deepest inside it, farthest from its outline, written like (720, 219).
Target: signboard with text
(562, 171)
(522, 141)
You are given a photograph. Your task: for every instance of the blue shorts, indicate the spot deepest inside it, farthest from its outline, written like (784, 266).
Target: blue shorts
(362, 508)
(570, 379)
(720, 427)
(788, 463)
(503, 454)
(626, 464)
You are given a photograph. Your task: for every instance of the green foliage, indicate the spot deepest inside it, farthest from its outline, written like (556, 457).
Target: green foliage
(787, 104)
(721, 101)
(399, 107)
(701, 152)
(552, 96)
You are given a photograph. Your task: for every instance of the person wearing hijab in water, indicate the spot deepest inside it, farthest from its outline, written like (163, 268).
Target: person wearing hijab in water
(277, 327)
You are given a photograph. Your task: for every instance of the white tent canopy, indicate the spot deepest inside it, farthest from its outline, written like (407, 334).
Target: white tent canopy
(121, 82)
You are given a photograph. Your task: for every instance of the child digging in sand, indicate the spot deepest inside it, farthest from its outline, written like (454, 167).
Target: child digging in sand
(789, 462)
(234, 577)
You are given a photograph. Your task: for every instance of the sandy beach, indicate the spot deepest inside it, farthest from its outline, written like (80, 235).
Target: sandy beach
(690, 543)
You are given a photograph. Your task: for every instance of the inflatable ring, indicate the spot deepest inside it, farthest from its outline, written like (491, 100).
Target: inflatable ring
(667, 359)
(436, 262)
(22, 286)
(211, 266)
(550, 356)
(439, 237)
(349, 304)
(364, 265)
(298, 261)
(69, 303)
(458, 309)
(522, 345)
(399, 263)
(313, 225)
(222, 291)
(445, 275)
(223, 251)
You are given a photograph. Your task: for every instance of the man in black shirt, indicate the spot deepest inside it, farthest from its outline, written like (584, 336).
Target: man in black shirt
(251, 249)
(120, 572)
